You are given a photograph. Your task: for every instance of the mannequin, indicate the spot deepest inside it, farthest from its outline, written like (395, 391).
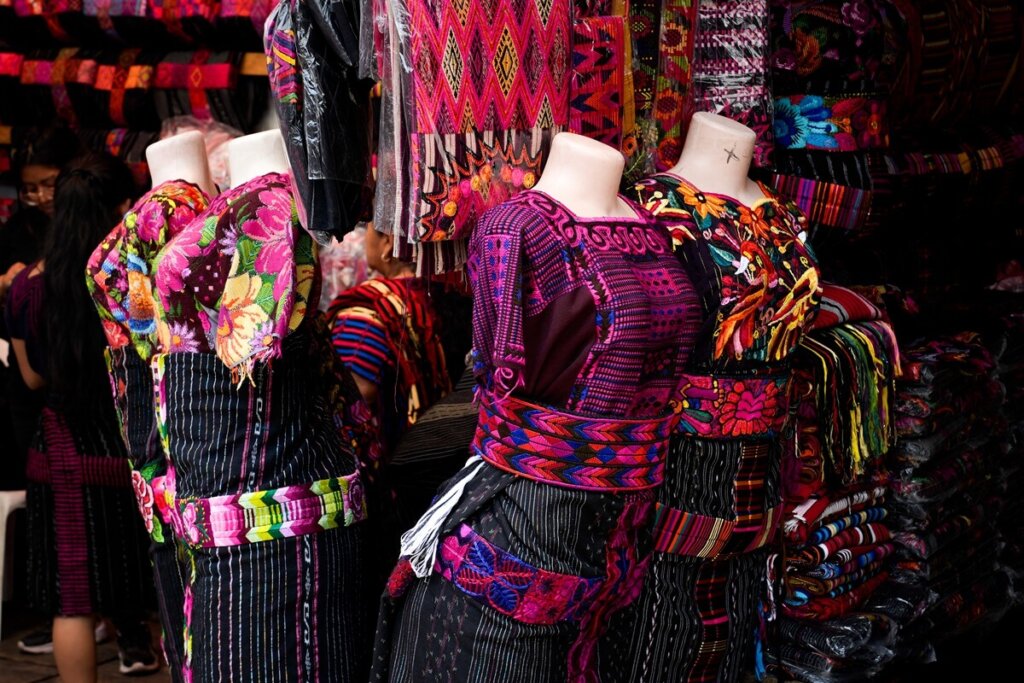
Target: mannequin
(716, 157)
(182, 157)
(251, 156)
(573, 157)
(757, 284)
(577, 296)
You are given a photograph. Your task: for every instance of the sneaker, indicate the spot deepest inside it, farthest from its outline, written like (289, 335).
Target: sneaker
(135, 652)
(40, 641)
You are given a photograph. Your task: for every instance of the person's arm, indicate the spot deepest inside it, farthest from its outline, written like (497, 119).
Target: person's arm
(33, 380)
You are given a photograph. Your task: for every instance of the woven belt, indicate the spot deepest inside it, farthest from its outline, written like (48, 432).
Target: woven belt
(594, 454)
(505, 583)
(716, 407)
(683, 533)
(268, 515)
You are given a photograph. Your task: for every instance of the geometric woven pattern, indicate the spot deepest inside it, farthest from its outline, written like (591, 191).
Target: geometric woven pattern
(551, 447)
(489, 85)
(598, 79)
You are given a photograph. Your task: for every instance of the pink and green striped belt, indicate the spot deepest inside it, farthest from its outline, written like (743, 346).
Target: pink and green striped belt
(257, 516)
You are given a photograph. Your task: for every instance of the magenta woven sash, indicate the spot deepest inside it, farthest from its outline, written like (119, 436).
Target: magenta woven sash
(593, 454)
(505, 583)
(719, 407)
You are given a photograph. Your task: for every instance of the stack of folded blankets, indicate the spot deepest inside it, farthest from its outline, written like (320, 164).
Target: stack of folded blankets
(835, 605)
(1011, 373)
(948, 487)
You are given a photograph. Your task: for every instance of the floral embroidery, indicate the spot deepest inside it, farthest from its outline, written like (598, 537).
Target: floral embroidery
(144, 497)
(726, 407)
(250, 271)
(835, 124)
(760, 281)
(119, 270)
(745, 411)
(505, 583)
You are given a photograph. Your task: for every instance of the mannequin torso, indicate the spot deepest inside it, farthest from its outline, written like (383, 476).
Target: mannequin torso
(716, 158)
(584, 175)
(182, 157)
(251, 156)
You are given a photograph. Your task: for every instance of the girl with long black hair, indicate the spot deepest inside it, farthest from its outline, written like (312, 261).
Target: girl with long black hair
(87, 547)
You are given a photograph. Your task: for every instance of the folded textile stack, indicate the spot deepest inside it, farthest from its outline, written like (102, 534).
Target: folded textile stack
(1011, 373)
(836, 541)
(948, 487)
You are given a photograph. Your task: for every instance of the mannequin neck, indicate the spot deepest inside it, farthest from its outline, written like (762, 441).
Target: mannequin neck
(252, 156)
(182, 157)
(584, 176)
(716, 157)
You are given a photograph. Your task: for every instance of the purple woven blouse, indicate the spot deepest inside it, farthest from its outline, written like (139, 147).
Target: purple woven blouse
(594, 316)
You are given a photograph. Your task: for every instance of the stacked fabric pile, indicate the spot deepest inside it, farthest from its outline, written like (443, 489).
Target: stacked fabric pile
(1011, 373)
(836, 541)
(948, 488)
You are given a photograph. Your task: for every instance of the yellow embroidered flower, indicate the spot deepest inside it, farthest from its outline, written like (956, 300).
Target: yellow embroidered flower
(240, 317)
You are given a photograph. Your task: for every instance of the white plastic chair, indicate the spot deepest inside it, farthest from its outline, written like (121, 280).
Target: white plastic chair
(9, 502)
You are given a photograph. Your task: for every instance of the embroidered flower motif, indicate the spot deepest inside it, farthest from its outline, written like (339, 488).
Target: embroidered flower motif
(150, 222)
(753, 223)
(116, 337)
(497, 578)
(667, 107)
(704, 204)
(748, 412)
(272, 228)
(857, 15)
(808, 52)
(784, 60)
(144, 498)
(174, 264)
(182, 339)
(240, 317)
(188, 522)
(803, 122)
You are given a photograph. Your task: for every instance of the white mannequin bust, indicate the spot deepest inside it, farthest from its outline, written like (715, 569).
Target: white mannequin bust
(251, 156)
(181, 157)
(584, 175)
(716, 157)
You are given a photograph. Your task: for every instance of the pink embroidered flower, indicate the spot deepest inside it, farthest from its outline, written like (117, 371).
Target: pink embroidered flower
(749, 410)
(182, 339)
(272, 228)
(857, 15)
(175, 264)
(150, 222)
(144, 497)
(188, 522)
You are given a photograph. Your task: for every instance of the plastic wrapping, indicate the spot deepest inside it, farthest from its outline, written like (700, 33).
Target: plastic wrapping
(335, 112)
(323, 109)
(730, 67)
(216, 136)
(837, 638)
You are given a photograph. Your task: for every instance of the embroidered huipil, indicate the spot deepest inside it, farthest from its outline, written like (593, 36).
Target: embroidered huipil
(581, 329)
(263, 483)
(757, 282)
(119, 277)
